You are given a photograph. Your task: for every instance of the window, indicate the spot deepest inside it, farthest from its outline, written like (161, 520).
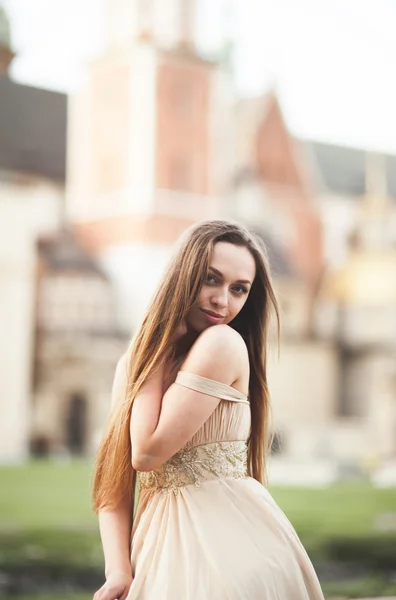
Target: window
(354, 385)
(76, 424)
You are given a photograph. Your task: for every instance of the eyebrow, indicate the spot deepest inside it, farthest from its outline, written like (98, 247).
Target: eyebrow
(221, 275)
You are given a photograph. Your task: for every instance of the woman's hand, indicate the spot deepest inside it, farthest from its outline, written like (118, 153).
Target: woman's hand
(116, 587)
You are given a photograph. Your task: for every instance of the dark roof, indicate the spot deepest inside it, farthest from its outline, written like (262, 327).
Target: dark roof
(63, 252)
(342, 169)
(279, 263)
(32, 130)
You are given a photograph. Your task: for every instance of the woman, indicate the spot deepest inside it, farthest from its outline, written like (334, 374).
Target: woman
(190, 419)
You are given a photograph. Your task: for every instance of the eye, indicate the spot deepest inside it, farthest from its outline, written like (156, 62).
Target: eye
(210, 279)
(240, 290)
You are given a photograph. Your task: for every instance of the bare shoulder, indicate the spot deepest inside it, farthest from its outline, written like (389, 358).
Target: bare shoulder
(123, 362)
(123, 365)
(219, 353)
(222, 337)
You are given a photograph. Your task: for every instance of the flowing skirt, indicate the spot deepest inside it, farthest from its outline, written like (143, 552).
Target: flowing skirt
(225, 540)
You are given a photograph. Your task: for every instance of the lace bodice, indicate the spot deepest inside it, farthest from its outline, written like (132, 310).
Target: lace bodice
(218, 449)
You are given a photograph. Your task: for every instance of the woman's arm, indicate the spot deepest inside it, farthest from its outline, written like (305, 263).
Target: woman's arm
(160, 426)
(115, 525)
(115, 532)
(148, 402)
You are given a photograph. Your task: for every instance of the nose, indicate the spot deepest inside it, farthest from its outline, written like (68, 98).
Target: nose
(220, 299)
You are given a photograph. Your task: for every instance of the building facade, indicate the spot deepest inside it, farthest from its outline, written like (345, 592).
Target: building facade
(156, 141)
(77, 343)
(49, 375)
(144, 133)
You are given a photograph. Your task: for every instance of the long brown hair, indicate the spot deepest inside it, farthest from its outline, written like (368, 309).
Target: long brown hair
(114, 477)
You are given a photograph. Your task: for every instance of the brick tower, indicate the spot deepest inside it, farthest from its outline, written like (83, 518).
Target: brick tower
(143, 131)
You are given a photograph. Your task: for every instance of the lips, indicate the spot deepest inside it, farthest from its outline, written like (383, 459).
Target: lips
(213, 314)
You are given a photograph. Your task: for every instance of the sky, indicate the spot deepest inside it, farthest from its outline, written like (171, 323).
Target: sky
(331, 61)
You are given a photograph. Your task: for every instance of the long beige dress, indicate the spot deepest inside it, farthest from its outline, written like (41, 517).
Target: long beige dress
(204, 530)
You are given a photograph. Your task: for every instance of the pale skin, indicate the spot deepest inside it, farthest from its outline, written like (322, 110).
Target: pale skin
(165, 416)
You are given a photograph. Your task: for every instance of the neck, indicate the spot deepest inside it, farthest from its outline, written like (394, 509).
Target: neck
(183, 345)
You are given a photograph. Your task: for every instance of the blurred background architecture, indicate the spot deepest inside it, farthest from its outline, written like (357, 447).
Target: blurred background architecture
(97, 185)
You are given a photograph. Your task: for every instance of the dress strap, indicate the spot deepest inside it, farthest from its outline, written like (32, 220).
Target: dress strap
(210, 387)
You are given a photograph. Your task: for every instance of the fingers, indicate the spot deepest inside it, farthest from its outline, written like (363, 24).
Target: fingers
(126, 592)
(109, 592)
(102, 593)
(96, 595)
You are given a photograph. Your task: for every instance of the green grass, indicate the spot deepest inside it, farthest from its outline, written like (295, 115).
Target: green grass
(46, 495)
(52, 597)
(46, 515)
(369, 587)
(55, 495)
(46, 519)
(343, 514)
(346, 507)
(352, 589)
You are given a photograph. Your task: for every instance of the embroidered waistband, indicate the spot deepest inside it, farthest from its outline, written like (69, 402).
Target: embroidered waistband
(193, 465)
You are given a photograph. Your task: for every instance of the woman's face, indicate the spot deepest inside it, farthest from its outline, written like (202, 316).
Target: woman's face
(231, 273)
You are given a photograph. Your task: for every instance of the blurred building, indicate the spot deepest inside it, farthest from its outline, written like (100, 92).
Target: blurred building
(157, 140)
(77, 344)
(332, 210)
(32, 172)
(273, 180)
(359, 296)
(145, 133)
(32, 197)
(273, 185)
